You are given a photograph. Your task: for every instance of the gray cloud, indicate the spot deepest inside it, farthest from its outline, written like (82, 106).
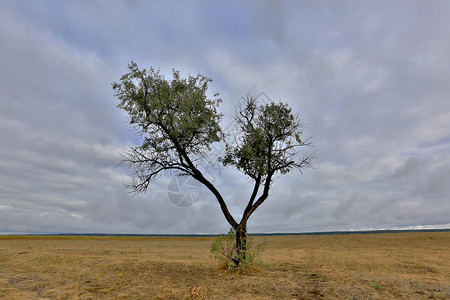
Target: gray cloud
(370, 83)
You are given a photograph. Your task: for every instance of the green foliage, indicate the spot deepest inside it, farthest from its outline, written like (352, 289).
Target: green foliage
(224, 249)
(175, 119)
(169, 112)
(268, 141)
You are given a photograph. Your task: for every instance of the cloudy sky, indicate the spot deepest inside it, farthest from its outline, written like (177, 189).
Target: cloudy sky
(370, 80)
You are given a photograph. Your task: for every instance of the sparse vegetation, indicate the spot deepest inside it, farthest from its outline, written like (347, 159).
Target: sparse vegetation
(373, 266)
(225, 250)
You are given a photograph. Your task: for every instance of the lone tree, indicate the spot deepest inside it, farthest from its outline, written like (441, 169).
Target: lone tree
(178, 123)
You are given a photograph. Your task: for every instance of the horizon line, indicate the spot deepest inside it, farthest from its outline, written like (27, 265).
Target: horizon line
(337, 232)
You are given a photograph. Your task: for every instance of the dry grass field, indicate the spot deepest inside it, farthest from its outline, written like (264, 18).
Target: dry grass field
(370, 266)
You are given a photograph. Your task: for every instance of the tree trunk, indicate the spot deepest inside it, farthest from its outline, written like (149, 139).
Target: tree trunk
(241, 244)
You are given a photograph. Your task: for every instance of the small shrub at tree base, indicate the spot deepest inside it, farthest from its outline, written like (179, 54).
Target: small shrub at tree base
(224, 248)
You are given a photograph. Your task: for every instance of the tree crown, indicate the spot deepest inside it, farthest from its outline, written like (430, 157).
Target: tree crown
(268, 140)
(175, 119)
(170, 114)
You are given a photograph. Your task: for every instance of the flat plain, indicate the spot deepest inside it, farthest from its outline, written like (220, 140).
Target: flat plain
(354, 266)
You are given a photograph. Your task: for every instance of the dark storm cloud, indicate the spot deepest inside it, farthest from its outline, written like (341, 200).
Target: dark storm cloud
(369, 80)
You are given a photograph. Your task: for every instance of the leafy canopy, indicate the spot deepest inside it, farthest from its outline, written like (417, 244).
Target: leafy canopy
(175, 119)
(268, 140)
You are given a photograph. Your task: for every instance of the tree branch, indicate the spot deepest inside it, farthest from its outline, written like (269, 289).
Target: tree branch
(254, 193)
(261, 199)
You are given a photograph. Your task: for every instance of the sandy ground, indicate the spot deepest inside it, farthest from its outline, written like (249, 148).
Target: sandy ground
(371, 266)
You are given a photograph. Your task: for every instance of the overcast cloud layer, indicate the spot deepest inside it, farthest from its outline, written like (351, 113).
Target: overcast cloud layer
(370, 80)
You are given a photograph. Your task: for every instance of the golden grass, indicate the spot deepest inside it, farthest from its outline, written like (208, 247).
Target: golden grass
(371, 266)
